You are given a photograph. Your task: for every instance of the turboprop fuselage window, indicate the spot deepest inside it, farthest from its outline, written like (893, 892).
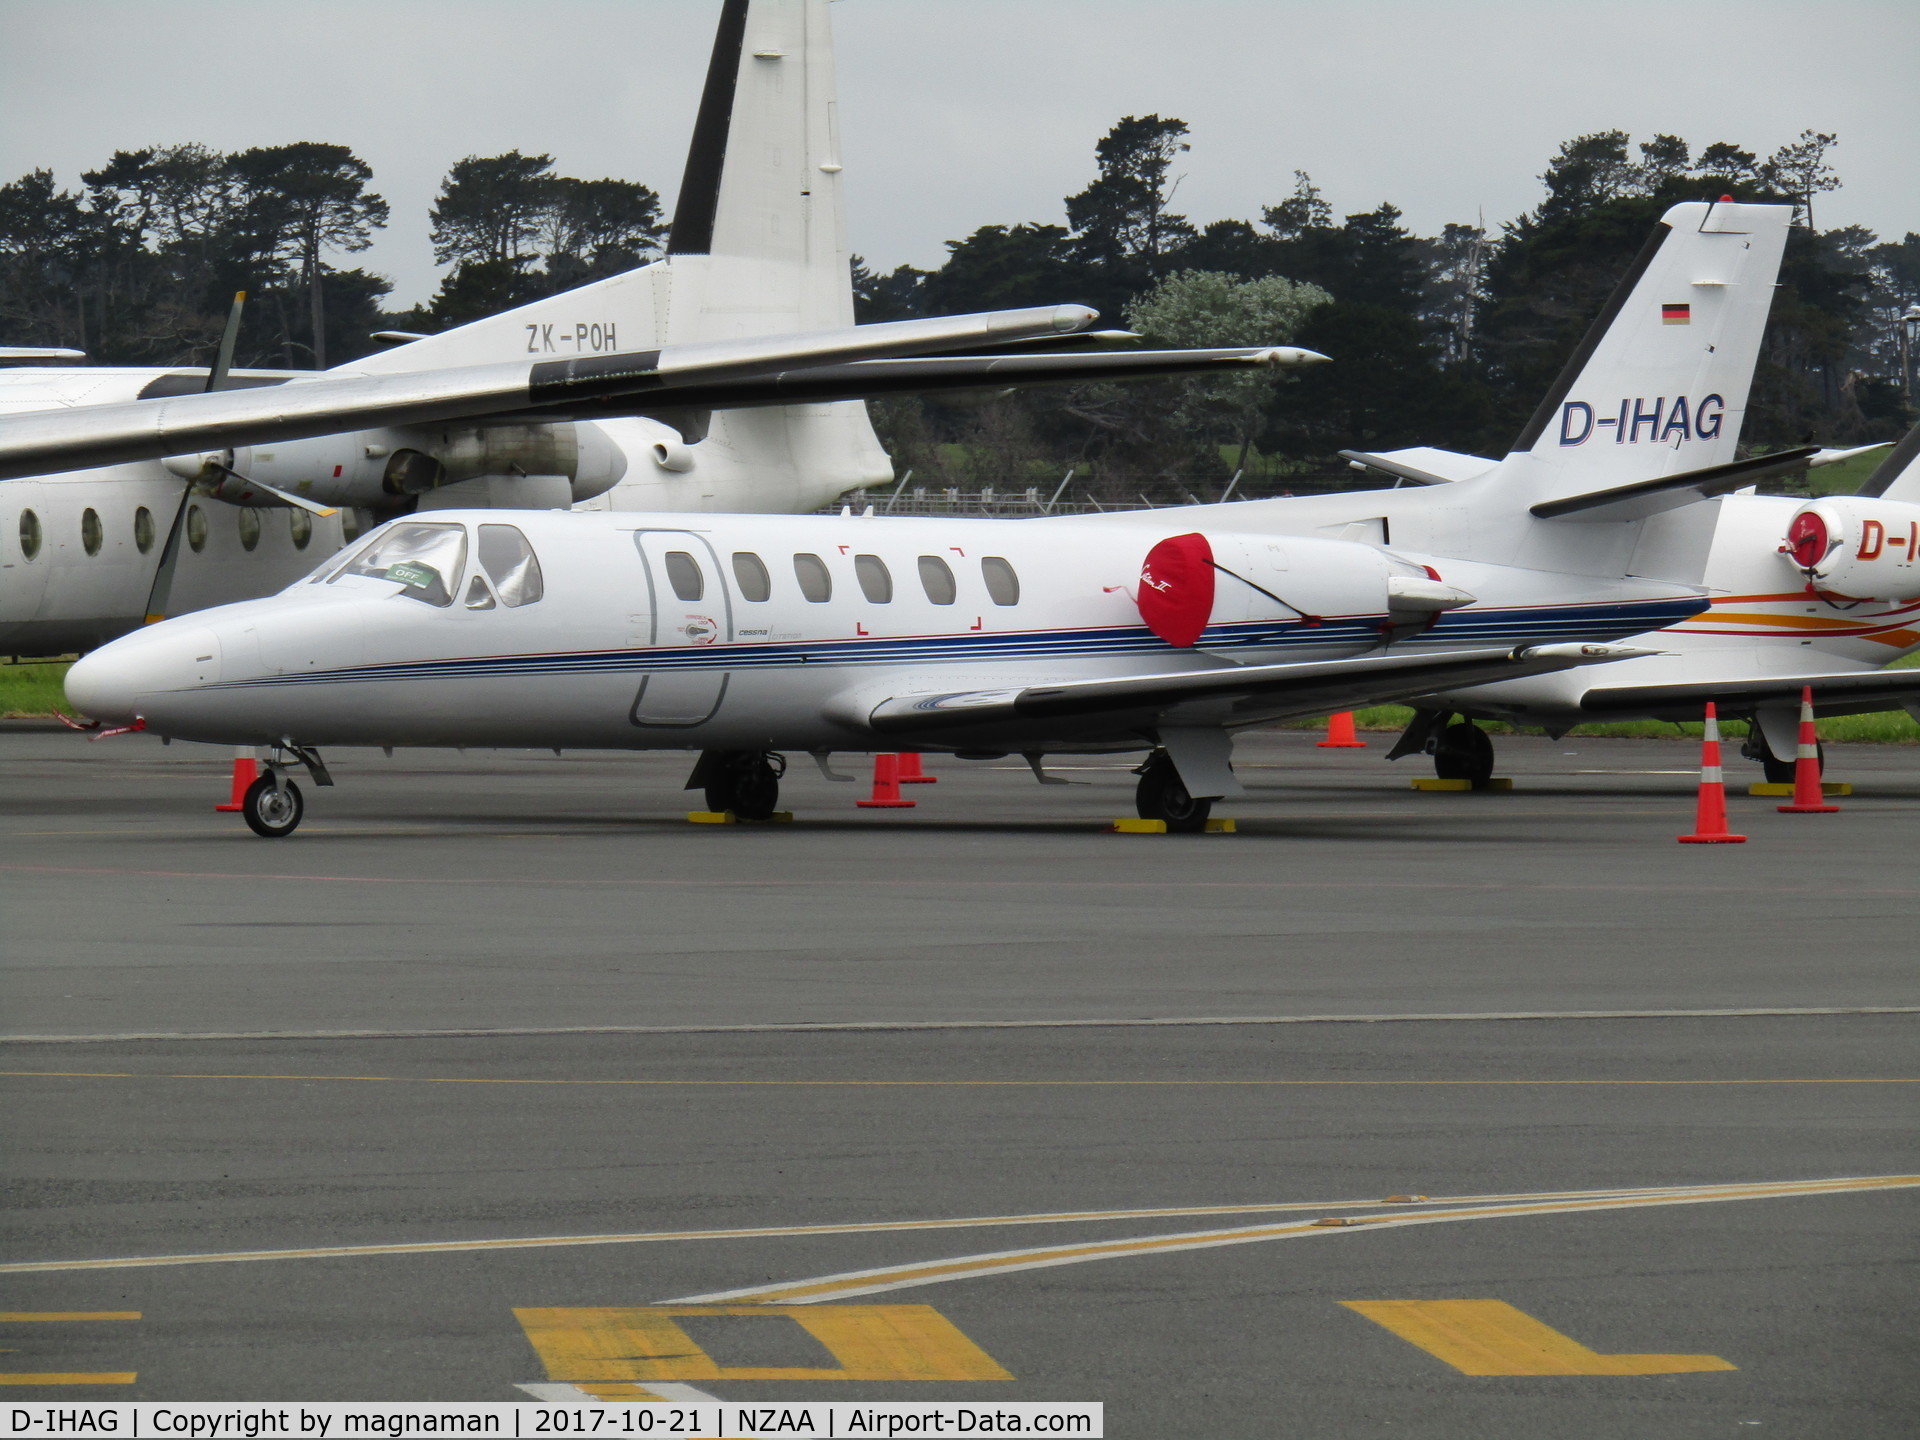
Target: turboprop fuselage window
(143, 527)
(936, 578)
(92, 533)
(751, 575)
(512, 566)
(427, 559)
(29, 534)
(1002, 584)
(875, 582)
(815, 583)
(684, 575)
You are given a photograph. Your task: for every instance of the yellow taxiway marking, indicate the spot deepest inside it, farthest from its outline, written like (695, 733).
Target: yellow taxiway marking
(935, 1084)
(16, 1317)
(71, 1377)
(1490, 1337)
(643, 1344)
(901, 1277)
(1483, 1204)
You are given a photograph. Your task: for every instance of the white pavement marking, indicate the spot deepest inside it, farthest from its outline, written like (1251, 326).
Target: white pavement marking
(816, 1027)
(850, 1283)
(877, 1227)
(670, 1391)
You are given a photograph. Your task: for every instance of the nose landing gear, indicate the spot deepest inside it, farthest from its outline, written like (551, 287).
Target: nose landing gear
(272, 806)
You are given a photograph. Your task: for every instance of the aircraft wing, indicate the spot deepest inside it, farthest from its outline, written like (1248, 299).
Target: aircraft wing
(42, 442)
(1232, 694)
(1851, 692)
(866, 379)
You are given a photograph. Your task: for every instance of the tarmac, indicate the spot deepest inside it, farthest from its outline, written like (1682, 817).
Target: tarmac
(498, 1056)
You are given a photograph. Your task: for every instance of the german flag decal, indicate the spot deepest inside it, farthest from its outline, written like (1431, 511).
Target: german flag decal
(1676, 314)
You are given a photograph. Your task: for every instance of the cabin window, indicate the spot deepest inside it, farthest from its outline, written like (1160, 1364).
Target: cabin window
(143, 529)
(755, 583)
(29, 534)
(299, 526)
(683, 574)
(513, 567)
(418, 555)
(875, 583)
(1002, 584)
(479, 597)
(815, 583)
(936, 578)
(196, 528)
(249, 529)
(91, 534)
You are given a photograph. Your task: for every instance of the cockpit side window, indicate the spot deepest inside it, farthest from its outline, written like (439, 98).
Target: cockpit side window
(511, 564)
(427, 558)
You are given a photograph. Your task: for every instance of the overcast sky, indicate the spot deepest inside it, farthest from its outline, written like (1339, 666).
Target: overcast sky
(962, 113)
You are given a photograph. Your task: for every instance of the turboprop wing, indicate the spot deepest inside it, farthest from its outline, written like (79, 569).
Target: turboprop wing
(43, 442)
(1235, 694)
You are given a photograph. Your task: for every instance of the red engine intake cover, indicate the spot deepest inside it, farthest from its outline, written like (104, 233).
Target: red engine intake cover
(1176, 589)
(1807, 540)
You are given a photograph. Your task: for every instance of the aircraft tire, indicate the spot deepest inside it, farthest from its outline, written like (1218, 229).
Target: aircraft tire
(272, 811)
(1465, 752)
(1161, 795)
(1780, 772)
(748, 785)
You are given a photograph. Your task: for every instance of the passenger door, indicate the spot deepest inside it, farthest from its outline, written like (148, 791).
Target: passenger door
(691, 614)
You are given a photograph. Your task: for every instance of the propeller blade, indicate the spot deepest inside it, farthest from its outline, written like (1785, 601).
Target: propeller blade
(299, 502)
(162, 591)
(217, 377)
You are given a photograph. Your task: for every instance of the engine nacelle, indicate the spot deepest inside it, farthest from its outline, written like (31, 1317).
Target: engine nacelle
(1857, 547)
(386, 469)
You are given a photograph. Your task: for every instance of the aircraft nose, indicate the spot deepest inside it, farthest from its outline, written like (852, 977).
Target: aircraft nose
(114, 682)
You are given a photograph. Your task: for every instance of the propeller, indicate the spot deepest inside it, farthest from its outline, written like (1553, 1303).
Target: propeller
(162, 590)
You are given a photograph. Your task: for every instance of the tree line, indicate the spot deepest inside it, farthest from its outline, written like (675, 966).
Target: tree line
(1446, 339)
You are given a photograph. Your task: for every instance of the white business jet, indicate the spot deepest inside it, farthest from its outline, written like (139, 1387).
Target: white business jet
(750, 636)
(96, 538)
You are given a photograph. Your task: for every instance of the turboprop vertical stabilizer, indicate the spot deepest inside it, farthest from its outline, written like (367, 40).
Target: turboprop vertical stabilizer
(757, 247)
(1659, 384)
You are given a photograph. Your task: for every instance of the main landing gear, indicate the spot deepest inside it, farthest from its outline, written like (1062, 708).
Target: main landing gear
(1460, 750)
(745, 782)
(1161, 795)
(272, 806)
(1777, 771)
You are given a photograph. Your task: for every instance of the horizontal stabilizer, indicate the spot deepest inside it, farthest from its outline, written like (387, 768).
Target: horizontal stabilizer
(1669, 492)
(1264, 692)
(1421, 464)
(40, 355)
(1852, 692)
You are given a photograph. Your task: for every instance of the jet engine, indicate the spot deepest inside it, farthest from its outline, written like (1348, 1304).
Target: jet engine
(1857, 547)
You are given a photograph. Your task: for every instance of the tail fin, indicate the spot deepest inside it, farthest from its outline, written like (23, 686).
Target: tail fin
(1897, 477)
(758, 244)
(1659, 384)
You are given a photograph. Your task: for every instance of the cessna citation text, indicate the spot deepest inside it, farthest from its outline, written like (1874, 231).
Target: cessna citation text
(753, 635)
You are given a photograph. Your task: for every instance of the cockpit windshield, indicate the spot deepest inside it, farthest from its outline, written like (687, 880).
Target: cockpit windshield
(511, 564)
(427, 558)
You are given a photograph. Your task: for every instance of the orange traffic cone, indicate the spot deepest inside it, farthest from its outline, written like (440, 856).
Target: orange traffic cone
(246, 770)
(1710, 821)
(910, 772)
(1340, 734)
(1807, 798)
(886, 786)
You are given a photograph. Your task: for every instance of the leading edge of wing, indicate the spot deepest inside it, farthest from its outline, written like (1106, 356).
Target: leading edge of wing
(1299, 688)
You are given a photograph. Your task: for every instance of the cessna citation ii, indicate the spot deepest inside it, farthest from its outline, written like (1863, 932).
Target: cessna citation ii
(134, 494)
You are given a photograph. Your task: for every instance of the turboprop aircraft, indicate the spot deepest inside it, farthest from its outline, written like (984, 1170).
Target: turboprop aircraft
(275, 468)
(1821, 594)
